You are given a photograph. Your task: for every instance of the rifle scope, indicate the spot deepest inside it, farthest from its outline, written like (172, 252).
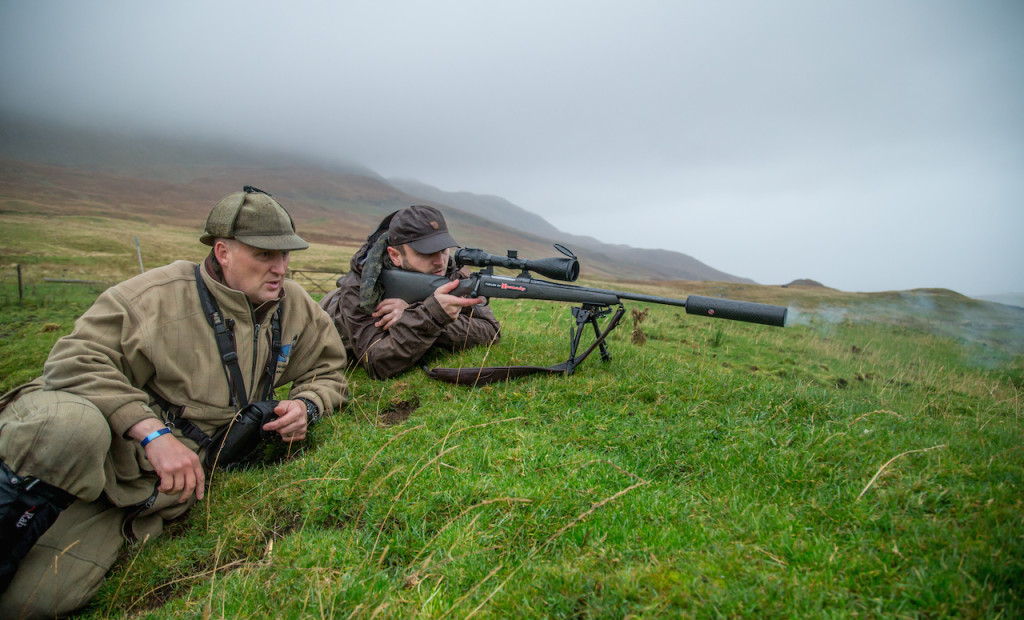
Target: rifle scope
(565, 269)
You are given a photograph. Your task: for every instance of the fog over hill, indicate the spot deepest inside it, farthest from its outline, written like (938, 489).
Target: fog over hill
(1009, 299)
(494, 208)
(869, 146)
(630, 261)
(159, 156)
(332, 196)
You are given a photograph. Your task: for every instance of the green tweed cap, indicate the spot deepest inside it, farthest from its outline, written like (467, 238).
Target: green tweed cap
(253, 217)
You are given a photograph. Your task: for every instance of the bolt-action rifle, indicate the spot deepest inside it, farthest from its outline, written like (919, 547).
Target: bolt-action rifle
(594, 303)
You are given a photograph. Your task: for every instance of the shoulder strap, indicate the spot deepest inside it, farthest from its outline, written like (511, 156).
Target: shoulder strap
(225, 344)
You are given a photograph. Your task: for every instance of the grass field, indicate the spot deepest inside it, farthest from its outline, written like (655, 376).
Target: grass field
(865, 461)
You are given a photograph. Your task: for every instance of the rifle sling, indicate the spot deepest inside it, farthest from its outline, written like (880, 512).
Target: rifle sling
(484, 375)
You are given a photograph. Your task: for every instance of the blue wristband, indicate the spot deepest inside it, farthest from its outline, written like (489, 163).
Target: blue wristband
(150, 437)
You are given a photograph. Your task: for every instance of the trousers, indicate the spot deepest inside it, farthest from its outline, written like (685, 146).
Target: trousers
(63, 439)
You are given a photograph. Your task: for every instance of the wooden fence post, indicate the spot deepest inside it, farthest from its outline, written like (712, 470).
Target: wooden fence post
(138, 250)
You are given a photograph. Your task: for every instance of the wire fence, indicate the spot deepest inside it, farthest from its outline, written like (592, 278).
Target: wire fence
(23, 278)
(320, 281)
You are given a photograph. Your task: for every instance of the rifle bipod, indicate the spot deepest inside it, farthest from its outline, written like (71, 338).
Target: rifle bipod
(590, 313)
(587, 313)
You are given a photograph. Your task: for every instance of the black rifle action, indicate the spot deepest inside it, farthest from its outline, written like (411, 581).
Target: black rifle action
(594, 302)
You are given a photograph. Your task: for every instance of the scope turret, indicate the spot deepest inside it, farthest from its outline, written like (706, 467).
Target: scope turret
(565, 269)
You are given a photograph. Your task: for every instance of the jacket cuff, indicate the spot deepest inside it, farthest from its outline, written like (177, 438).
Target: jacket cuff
(437, 314)
(128, 416)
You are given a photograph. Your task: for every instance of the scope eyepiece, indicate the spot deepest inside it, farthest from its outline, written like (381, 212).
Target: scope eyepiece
(565, 269)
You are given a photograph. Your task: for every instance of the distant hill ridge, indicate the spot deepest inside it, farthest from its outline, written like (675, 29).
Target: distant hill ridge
(53, 168)
(494, 208)
(1009, 299)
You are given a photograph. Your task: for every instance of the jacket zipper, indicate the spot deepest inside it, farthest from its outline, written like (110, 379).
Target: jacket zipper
(253, 379)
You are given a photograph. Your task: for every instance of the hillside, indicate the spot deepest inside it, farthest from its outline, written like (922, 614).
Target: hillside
(59, 171)
(854, 464)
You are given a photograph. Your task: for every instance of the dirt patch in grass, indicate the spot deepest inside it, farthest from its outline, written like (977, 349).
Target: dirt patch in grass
(399, 412)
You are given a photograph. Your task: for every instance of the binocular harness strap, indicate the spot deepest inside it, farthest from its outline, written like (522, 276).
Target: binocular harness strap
(225, 343)
(226, 346)
(229, 359)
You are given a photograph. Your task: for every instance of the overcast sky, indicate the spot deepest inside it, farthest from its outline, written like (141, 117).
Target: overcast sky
(870, 145)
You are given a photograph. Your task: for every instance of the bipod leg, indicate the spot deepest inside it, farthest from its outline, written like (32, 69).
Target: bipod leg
(583, 315)
(589, 313)
(605, 355)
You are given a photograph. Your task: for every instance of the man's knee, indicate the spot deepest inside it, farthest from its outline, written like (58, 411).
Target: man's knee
(58, 437)
(65, 569)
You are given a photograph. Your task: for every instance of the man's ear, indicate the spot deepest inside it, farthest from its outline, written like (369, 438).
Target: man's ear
(396, 256)
(220, 250)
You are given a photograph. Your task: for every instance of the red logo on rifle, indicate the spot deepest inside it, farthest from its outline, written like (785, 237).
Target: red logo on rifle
(514, 288)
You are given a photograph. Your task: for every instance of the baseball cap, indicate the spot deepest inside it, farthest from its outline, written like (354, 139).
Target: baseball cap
(253, 217)
(421, 227)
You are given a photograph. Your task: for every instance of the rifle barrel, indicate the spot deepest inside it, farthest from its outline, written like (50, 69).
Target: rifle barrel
(747, 311)
(652, 299)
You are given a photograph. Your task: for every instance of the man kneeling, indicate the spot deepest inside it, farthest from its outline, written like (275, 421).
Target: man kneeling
(110, 442)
